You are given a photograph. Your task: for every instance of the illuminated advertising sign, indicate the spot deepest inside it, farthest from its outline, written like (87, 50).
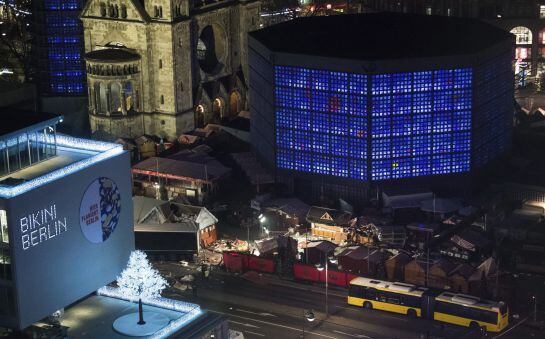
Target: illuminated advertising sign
(100, 210)
(41, 225)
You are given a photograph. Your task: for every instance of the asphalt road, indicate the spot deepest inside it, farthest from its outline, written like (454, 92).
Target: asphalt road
(268, 310)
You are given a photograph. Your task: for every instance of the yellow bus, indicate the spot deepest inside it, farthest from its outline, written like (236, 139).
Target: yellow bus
(416, 301)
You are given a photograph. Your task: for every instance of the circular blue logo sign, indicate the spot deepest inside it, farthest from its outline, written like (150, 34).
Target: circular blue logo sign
(100, 210)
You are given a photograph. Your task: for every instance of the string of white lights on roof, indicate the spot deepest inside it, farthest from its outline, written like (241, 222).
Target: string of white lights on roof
(104, 151)
(191, 311)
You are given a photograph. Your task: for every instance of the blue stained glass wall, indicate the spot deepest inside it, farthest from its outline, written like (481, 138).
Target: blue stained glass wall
(321, 122)
(62, 43)
(420, 123)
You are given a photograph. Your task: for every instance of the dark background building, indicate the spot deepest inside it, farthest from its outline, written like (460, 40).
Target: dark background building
(524, 18)
(420, 99)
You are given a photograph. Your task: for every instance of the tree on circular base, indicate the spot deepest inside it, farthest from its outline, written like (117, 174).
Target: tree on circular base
(139, 280)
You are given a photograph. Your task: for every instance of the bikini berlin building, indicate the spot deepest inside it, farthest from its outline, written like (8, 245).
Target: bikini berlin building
(65, 217)
(343, 103)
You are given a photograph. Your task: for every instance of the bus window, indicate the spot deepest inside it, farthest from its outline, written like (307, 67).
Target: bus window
(482, 315)
(503, 308)
(467, 312)
(355, 291)
(370, 293)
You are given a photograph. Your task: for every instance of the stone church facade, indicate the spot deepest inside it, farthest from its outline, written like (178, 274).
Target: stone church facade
(165, 67)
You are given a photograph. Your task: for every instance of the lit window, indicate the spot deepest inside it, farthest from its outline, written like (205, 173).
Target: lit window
(4, 226)
(542, 11)
(523, 35)
(428, 11)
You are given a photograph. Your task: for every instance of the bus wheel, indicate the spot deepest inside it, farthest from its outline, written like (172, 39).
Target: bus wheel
(368, 305)
(474, 325)
(411, 313)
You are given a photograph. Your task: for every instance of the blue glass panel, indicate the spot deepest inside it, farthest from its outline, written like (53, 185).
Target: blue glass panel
(358, 169)
(339, 167)
(381, 105)
(357, 84)
(321, 164)
(402, 83)
(381, 148)
(401, 168)
(339, 145)
(358, 148)
(401, 147)
(358, 127)
(303, 161)
(382, 84)
(402, 104)
(338, 103)
(320, 122)
(320, 143)
(381, 127)
(357, 105)
(339, 82)
(401, 125)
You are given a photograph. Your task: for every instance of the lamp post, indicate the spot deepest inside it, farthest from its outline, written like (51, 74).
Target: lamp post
(320, 268)
(534, 298)
(262, 220)
(309, 316)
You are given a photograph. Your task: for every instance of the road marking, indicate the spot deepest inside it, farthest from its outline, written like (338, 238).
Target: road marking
(259, 334)
(273, 324)
(311, 290)
(352, 335)
(516, 325)
(262, 313)
(382, 315)
(243, 324)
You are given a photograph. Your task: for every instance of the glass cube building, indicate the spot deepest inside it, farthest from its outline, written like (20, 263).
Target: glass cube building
(59, 47)
(358, 114)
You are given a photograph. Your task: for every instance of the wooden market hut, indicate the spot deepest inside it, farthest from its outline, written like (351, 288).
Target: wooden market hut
(395, 266)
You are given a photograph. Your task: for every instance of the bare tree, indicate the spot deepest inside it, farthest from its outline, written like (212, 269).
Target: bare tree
(15, 37)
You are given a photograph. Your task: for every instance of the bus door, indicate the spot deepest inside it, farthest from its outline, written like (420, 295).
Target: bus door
(428, 305)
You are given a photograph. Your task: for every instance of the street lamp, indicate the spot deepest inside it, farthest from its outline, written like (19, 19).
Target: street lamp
(309, 316)
(262, 220)
(534, 298)
(320, 268)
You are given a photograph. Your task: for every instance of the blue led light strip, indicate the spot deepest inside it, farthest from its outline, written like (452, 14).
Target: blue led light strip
(191, 311)
(103, 151)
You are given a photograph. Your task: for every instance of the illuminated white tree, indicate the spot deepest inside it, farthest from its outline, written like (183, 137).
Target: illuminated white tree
(140, 281)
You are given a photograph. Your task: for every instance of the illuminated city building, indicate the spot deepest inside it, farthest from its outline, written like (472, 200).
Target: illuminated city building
(428, 103)
(524, 18)
(58, 43)
(65, 217)
(166, 67)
